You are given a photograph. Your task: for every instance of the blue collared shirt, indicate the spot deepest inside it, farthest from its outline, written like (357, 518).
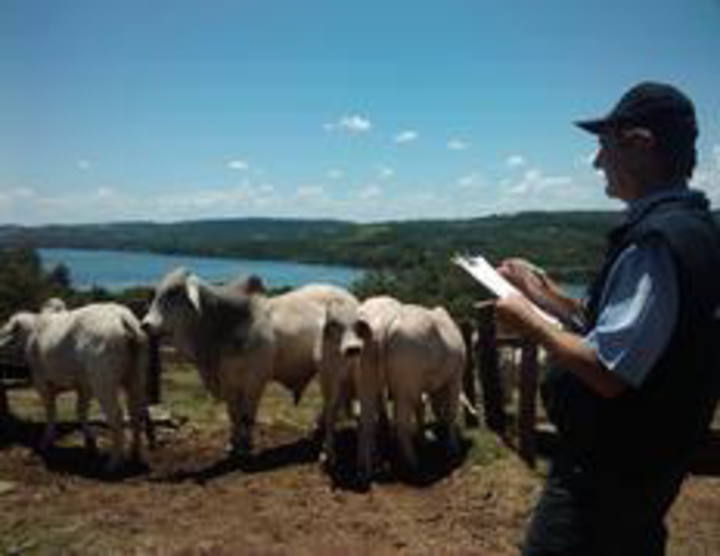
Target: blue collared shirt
(639, 303)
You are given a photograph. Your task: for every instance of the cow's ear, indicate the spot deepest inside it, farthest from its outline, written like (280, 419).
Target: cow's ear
(363, 329)
(192, 286)
(253, 284)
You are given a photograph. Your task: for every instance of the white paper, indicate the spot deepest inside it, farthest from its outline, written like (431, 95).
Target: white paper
(483, 272)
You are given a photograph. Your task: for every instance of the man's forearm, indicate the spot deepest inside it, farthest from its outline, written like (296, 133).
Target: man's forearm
(573, 355)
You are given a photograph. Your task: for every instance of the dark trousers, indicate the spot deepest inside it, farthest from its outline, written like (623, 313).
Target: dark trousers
(584, 513)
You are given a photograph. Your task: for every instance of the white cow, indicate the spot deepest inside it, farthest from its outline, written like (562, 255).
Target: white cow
(97, 351)
(419, 352)
(346, 338)
(240, 339)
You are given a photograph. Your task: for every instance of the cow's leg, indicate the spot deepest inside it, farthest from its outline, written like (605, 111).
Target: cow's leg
(242, 409)
(83, 407)
(366, 435)
(240, 440)
(367, 388)
(48, 395)
(332, 402)
(446, 404)
(420, 415)
(140, 420)
(135, 411)
(405, 428)
(330, 417)
(110, 406)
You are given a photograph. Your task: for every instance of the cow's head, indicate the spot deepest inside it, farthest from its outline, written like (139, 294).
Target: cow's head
(344, 332)
(16, 331)
(53, 305)
(176, 303)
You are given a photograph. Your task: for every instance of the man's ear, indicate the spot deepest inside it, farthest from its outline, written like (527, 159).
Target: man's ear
(640, 137)
(192, 286)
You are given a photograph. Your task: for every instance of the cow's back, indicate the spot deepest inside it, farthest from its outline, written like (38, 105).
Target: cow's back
(418, 351)
(450, 333)
(297, 319)
(98, 338)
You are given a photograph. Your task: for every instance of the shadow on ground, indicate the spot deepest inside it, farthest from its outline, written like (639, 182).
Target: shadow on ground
(434, 463)
(74, 460)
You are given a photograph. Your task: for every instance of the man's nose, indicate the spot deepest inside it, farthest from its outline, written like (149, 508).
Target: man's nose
(598, 159)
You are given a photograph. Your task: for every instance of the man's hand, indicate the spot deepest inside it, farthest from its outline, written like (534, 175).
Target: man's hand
(537, 286)
(525, 276)
(516, 314)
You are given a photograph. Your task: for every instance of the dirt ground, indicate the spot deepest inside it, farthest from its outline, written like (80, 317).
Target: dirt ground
(189, 500)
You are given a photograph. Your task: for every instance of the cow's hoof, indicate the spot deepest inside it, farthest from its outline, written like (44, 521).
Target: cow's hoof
(239, 452)
(113, 466)
(327, 460)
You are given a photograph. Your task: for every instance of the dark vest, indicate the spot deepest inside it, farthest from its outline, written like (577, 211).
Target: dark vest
(661, 423)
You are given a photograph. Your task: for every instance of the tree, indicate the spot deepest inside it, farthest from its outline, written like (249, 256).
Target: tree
(60, 276)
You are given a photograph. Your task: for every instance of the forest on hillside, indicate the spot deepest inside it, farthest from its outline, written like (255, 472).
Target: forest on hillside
(567, 244)
(408, 259)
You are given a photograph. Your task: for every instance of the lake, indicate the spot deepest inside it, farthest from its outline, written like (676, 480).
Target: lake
(117, 270)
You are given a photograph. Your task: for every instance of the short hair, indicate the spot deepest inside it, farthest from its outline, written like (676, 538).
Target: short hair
(678, 153)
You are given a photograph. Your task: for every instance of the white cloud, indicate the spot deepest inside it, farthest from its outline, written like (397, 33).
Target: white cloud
(585, 161)
(471, 180)
(707, 176)
(23, 192)
(305, 191)
(385, 173)
(371, 191)
(534, 182)
(352, 123)
(457, 145)
(104, 192)
(238, 164)
(335, 174)
(406, 136)
(83, 164)
(515, 161)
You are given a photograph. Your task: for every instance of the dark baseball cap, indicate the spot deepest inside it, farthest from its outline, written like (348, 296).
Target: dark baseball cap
(659, 107)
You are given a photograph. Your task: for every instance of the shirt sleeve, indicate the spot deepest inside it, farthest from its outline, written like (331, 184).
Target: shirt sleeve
(638, 311)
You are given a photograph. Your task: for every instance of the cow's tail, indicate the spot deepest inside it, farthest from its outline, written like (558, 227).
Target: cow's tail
(144, 357)
(468, 405)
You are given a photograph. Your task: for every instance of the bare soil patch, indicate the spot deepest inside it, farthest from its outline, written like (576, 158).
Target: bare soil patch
(189, 500)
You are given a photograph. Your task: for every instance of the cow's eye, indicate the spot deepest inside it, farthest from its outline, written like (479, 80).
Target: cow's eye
(173, 292)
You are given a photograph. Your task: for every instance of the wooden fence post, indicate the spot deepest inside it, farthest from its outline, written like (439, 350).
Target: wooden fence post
(488, 373)
(527, 402)
(154, 371)
(471, 419)
(4, 409)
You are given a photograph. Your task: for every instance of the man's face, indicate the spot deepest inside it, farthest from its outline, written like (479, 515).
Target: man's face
(623, 158)
(610, 160)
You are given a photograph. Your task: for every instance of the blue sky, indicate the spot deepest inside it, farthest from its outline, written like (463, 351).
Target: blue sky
(170, 110)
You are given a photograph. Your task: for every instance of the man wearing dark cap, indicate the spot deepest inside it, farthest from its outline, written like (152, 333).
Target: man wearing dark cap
(636, 373)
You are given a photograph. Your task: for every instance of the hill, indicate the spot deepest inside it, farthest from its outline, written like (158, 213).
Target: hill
(568, 243)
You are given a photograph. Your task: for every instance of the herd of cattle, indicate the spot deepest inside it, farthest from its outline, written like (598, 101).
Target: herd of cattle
(239, 338)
